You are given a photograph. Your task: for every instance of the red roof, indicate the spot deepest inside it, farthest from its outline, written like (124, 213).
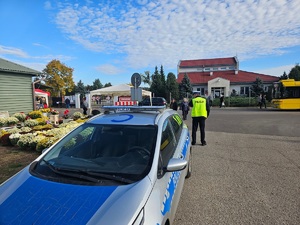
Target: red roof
(208, 62)
(41, 91)
(241, 77)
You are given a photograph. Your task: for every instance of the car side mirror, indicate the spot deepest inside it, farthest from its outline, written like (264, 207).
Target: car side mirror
(176, 164)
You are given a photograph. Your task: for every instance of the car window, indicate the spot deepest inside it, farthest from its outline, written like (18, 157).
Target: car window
(167, 146)
(177, 124)
(126, 151)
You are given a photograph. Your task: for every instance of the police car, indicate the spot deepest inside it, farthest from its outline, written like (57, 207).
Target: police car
(126, 166)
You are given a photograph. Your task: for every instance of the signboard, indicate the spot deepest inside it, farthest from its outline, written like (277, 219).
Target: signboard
(136, 94)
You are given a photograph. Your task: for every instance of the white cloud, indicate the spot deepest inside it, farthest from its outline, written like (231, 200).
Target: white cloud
(48, 5)
(4, 50)
(108, 69)
(276, 71)
(162, 32)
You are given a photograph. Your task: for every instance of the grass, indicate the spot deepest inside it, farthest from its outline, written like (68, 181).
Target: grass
(13, 159)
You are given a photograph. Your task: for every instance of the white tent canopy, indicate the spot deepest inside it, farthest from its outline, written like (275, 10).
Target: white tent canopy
(117, 90)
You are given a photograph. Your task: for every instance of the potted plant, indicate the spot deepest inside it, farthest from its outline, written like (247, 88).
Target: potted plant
(54, 112)
(45, 111)
(20, 116)
(11, 121)
(54, 116)
(66, 116)
(77, 115)
(35, 114)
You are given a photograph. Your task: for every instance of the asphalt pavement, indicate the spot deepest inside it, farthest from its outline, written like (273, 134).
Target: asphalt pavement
(249, 173)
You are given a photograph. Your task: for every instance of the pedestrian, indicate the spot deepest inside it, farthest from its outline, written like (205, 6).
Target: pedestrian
(222, 103)
(185, 108)
(200, 111)
(259, 101)
(208, 98)
(85, 106)
(174, 104)
(263, 101)
(67, 102)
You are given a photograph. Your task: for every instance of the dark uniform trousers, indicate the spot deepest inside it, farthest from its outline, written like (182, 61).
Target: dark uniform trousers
(198, 121)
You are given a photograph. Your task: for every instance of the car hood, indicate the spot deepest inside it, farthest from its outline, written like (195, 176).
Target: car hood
(25, 199)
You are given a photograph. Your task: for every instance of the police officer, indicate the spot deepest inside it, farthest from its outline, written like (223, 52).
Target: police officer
(200, 111)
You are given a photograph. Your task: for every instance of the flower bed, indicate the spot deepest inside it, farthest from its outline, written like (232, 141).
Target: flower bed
(36, 132)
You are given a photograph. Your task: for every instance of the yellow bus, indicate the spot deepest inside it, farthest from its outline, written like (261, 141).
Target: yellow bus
(286, 94)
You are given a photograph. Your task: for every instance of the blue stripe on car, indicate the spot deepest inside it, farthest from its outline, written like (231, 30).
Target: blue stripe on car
(42, 202)
(172, 184)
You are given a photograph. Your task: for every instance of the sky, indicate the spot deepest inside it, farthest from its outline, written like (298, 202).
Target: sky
(110, 40)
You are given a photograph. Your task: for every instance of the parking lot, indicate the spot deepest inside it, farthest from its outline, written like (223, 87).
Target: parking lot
(249, 173)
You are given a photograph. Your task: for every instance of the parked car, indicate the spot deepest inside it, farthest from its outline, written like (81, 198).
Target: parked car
(126, 166)
(156, 101)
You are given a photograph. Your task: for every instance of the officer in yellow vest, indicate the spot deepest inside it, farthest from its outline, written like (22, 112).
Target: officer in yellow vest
(200, 111)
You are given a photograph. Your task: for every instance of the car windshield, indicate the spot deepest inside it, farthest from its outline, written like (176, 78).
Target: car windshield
(100, 154)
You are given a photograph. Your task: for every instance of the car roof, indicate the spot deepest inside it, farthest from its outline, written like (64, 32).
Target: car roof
(130, 115)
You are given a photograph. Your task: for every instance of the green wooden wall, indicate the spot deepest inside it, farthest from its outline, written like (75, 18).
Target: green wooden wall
(15, 93)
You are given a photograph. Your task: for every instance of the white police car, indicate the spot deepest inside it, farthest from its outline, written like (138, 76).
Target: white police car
(124, 167)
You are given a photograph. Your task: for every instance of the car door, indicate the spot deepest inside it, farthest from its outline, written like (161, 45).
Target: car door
(182, 151)
(168, 181)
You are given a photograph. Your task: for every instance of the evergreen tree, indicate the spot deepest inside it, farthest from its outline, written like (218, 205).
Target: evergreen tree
(172, 86)
(284, 76)
(185, 87)
(295, 72)
(97, 84)
(156, 84)
(257, 87)
(107, 84)
(80, 88)
(163, 90)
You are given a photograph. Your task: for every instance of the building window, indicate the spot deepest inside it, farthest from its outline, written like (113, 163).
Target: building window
(244, 90)
(247, 90)
(198, 89)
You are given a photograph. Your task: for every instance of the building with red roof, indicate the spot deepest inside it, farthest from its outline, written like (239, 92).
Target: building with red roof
(220, 76)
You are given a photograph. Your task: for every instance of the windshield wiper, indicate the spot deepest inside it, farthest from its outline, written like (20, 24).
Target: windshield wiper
(76, 173)
(68, 174)
(109, 177)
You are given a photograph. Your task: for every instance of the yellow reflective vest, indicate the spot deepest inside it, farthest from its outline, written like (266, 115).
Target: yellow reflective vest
(199, 107)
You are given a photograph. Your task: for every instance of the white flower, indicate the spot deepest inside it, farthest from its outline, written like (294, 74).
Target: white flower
(20, 116)
(30, 123)
(11, 120)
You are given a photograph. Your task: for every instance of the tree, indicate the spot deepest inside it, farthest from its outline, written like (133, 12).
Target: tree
(107, 84)
(156, 84)
(80, 88)
(163, 90)
(97, 84)
(295, 72)
(284, 76)
(257, 87)
(59, 77)
(146, 78)
(185, 87)
(172, 86)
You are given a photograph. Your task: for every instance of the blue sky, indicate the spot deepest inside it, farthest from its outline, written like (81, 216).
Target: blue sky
(112, 39)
